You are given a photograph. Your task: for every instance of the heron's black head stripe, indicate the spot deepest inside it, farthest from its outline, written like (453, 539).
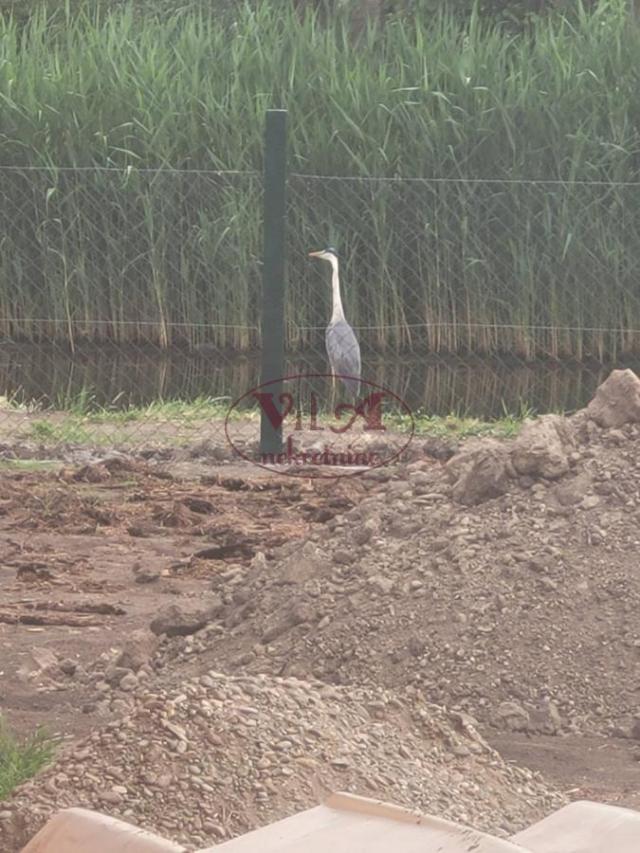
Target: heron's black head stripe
(331, 251)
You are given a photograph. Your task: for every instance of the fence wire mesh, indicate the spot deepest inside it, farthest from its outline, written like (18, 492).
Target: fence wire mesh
(130, 301)
(122, 294)
(473, 296)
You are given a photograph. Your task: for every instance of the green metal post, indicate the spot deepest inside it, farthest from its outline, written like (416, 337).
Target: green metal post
(275, 166)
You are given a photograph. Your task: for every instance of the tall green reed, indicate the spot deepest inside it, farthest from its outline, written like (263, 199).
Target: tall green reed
(450, 263)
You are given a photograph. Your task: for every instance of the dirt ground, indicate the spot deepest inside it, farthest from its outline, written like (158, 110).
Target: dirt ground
(586, 768)
(529, 590)
(86, 562)
(90, 553)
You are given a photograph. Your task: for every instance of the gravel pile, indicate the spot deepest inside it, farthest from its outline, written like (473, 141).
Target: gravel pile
(497, 583)
(218, 755)
(503, 583)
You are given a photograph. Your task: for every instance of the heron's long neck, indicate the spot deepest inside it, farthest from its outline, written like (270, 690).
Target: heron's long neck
(338, 311)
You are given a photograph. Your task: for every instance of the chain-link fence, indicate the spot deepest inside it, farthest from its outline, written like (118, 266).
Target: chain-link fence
(130, 300)
(473, 296)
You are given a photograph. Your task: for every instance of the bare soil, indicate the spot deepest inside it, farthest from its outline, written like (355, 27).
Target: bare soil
(517, 614)
(90, 553)
(585, 768)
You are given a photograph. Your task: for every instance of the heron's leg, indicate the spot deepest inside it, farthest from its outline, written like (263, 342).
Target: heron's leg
(334, 391)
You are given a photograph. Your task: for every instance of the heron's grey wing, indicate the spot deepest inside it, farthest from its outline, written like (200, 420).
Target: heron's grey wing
(343, 350)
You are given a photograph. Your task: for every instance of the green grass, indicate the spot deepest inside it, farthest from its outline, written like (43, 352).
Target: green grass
(455, 427)
(20, 760)
(461, 426)
(58, 433)
(177, 410)
(82, 422)
(177, 423)
(84, 405)
(28, 465)
(451, 265)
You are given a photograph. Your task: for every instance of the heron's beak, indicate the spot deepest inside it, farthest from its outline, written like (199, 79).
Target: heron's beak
(315, 254)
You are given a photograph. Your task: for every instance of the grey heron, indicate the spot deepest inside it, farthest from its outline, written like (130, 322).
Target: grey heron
(342, 345)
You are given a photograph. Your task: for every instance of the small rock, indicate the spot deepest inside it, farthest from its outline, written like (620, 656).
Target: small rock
(343, 557)
(92, 474)
(275, 630)
(259, 562)
(542, 447)
(43, 659)
(572, 492)
(617, 400)
(145, 575)
(381, 583)
(128, 682)
(363, 532)
(590, 501)
(478, 472)
(544, 717)
(401, 528)
(175, 621)
(113, 674)
(111, 797)
(440, 449)
(303, 564)
(137, 650)
(511, 716)
(68, 666)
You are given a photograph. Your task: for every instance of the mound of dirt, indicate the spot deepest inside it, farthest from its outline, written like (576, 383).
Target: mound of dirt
(516, 601)
(218, 756)
(499, 583)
